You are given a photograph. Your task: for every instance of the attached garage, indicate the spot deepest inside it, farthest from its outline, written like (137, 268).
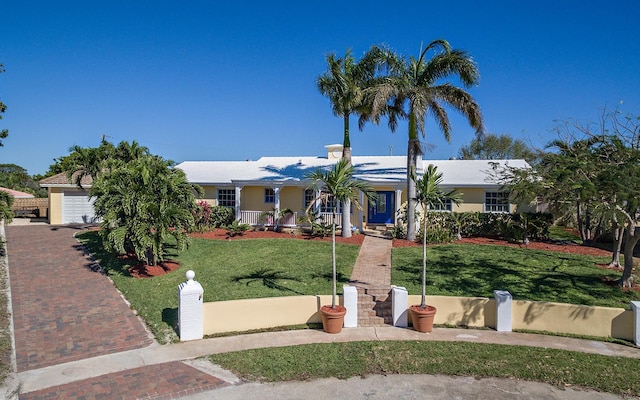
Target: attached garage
(77, 207)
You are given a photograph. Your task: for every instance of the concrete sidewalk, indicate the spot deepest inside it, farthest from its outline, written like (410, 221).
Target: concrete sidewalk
(66, 373)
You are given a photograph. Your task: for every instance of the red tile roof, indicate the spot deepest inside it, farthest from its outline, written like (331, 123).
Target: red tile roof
(17, 194)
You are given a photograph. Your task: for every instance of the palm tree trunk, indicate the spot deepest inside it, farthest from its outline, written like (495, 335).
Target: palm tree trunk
(423, 302)
(333, 264)
(346, 205)
(412, 162)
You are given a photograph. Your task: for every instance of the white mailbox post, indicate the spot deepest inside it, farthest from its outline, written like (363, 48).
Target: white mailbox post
(190, 321)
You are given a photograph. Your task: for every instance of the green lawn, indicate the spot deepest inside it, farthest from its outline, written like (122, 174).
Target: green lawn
(227, 270)
(474, 270)
(344, 360)
(255, 268)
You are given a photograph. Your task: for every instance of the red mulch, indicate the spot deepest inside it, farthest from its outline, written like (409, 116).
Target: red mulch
(142, 270)
(221, 234)
(548, 246)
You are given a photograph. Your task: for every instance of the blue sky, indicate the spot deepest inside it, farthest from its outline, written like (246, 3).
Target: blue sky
(198, 80)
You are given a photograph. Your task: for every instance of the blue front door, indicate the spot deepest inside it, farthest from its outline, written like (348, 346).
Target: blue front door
(381, 212)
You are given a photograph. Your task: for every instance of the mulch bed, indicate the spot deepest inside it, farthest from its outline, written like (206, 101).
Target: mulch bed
(563, 247)
(221, 234)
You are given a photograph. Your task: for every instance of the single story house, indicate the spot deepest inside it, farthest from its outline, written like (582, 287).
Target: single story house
(252, 188)
(278, 183)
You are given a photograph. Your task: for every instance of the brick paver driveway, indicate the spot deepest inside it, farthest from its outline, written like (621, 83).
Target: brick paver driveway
(62, 310)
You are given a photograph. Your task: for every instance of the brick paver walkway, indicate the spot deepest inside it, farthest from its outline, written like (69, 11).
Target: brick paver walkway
(373, 266)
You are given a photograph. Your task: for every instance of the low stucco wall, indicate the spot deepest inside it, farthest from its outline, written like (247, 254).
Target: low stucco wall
(465, 311)
(477, 312)
(573, 319)
(249, 314)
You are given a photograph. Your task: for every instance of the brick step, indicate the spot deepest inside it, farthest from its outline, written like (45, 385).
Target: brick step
(374, 321)
(374, 313)
(374, 306)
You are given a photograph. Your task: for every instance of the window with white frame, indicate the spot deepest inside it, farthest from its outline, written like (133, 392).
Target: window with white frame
(309, 197)
(496, 202)
(330, 206)
(269, 196)
(446, 205)
(227, 197)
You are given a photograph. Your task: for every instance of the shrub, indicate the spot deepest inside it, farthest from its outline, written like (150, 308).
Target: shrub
(236, 228)
(6, 200)
(399, 231)
(221, 216)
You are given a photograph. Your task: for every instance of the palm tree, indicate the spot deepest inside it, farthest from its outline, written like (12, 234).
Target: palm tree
(429, 195)
(338, 184)
(141, 204)
(412, 89)
(344, 84)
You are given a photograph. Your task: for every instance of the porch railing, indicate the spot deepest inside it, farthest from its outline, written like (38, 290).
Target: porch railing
(253, 218)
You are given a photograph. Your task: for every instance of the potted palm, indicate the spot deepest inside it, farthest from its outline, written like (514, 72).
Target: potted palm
(336, 186)
(429, 195)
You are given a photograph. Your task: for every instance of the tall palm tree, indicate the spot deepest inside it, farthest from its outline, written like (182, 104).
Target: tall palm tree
(429, 195)
(338, 184)
(344, 84)
(413, 89)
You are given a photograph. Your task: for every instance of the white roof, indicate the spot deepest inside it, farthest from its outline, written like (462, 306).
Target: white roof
(388, 170)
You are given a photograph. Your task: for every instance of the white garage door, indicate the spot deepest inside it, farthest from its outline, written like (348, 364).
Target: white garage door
(77, 207)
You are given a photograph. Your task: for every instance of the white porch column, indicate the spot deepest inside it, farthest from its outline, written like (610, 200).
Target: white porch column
(276, 204)
(238, 209)
(318, 203)
(398, 206)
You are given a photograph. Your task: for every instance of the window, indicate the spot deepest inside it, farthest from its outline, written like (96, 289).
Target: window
(496, 202)
(447, 205)
(227, 197)
(269, 195)
(309, 197)
(330, 206)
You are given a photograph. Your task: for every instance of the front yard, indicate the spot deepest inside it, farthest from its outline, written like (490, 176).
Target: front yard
(252, 268)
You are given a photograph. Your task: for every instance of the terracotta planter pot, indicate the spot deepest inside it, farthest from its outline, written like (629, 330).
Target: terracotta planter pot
(422, 318)
(332, 318)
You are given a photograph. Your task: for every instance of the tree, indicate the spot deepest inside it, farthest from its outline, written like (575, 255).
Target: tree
(338, 184)
(94, 161)
(430, 195)
(6, 200)
(414, 89)
(15, 177)
(592, 175)
(496, 147)
(3, 132)
(142, 203)
(344, 84)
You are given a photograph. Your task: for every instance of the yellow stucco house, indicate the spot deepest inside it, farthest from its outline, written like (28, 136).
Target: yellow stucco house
(253, 187)
(278, 183)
